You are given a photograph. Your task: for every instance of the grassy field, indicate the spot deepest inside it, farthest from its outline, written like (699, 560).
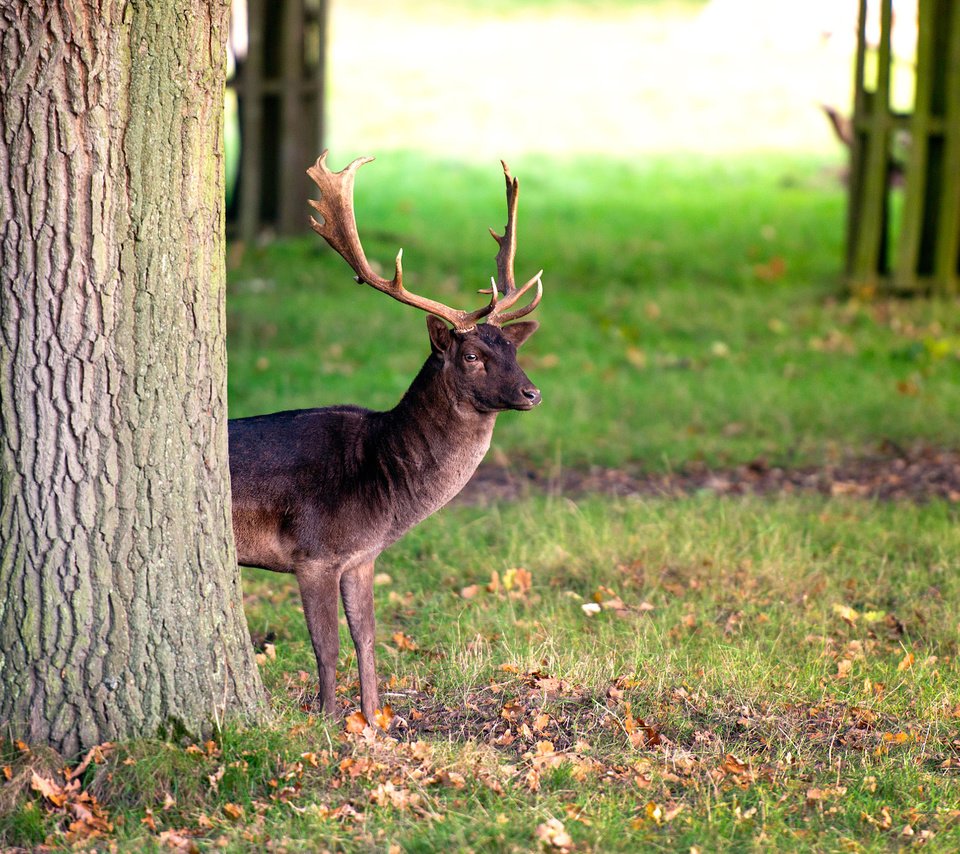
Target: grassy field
(692, 310)
(774, 675)
(587, 673)
(596, 674)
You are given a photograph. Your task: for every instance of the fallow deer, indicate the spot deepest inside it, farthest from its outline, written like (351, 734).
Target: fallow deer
(320, 493)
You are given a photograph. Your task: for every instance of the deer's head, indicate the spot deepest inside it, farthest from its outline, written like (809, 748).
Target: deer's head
(479, 354)
(480, 366)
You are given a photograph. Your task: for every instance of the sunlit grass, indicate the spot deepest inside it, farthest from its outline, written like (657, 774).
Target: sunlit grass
(774, 674)
(748, 674)
(692, 310)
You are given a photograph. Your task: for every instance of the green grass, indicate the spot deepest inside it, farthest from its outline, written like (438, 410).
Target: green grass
(760, 673)
(693, 310)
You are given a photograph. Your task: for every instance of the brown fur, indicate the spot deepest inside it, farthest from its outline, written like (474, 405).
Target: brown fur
(322, 492)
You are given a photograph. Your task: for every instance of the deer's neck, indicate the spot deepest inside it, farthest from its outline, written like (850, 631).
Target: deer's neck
(431, 444)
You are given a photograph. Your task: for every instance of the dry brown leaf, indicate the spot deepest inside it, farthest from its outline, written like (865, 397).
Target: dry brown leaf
(404, 642)
(734, 766)
(845, 613)
(815, 794)
(383, 717)
(356, 722)
(96, 754)
(177, 840)
(233, 811)
(543, 748)
(511, 710)
(518, 578)
(49, 789)
(541, 722)
(552, 834)
(532, 780)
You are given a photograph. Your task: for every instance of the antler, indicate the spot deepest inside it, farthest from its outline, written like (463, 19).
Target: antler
(339, 229)
(505, 256)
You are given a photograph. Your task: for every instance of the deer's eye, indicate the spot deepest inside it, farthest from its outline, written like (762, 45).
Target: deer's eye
(470, 357)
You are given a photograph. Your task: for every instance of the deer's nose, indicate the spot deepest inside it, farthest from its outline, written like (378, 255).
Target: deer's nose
(532, 395)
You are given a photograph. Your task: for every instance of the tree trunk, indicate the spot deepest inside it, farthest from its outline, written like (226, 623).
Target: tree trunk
(120, 603)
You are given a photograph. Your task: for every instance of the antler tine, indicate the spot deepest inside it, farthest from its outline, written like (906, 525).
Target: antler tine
(507, 242)
(499, 315)
(505, 258)
(339, 229)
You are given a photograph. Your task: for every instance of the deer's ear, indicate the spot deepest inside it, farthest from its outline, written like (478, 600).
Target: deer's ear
(520, 332)
(440, 337)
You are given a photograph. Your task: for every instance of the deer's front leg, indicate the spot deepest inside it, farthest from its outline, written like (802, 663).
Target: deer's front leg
(320, 596)
(356, 587)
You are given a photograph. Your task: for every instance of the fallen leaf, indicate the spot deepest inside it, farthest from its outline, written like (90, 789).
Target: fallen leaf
(404, 641)
(532, 780)
(356, 722)
(518, 578)
(178, 841)
(233, 811)
(541, 722)
(814, 794)
(575, 813)
(215, 778)
(906, 662)
(49, 789)
(553, 834)
(96, 754)
(382, 717)
(845, 612)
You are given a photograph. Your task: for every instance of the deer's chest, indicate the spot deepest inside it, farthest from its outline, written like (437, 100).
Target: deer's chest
(430, 486)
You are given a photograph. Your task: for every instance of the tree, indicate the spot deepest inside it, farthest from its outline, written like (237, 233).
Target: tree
(120, 604)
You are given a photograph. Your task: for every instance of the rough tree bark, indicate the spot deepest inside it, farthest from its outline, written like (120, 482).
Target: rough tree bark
(120, 604)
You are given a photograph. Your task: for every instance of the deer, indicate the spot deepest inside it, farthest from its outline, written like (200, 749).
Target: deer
(320, 493)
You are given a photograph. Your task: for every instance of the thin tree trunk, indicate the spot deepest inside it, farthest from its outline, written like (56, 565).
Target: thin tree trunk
(120, 604)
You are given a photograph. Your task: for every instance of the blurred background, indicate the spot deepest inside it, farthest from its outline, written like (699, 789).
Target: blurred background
(719, 192)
